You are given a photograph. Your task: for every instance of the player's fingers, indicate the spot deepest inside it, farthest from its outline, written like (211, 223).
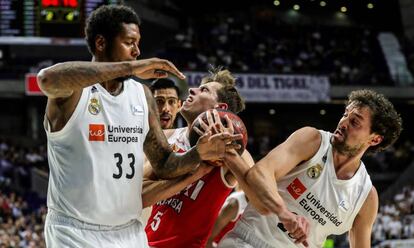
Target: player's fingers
(230, 127)
(167, 66)
(160, 74)
(206, 136)
(233, 146)
(219, 127)
(234, 137)
(175, 71)
(301, 239)
(209, 118)
(217, 120)
(203, 125)
(198, 131)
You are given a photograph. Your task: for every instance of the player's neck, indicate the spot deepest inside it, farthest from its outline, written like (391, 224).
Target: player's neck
(114, 87)
(346, 166)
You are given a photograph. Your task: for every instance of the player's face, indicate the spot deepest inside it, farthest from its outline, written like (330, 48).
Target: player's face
(168, 106)
(126, 44)
(200, 99)
(353, 133)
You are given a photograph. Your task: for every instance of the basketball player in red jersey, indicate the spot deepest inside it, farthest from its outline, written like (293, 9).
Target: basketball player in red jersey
(186, 218)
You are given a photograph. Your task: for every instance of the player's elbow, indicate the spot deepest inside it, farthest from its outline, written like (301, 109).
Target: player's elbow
(44, 80)
(48, 82)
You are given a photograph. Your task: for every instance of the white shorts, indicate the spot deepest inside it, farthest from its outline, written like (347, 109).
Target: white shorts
(242, 237)
(62, 231)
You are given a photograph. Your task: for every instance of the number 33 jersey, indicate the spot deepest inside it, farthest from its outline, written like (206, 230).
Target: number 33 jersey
(186, 219)
(96, 160)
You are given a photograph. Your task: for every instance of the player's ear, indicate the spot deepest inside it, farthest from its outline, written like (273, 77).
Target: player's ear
(222, 105)
(100, 43)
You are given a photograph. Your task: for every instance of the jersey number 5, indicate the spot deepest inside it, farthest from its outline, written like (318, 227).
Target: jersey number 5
(131, 157)
(156, 221)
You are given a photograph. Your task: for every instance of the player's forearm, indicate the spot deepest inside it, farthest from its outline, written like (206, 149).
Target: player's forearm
(155, 191)
(264, 184)
(178, 164)
(240, 170)
(62, 79)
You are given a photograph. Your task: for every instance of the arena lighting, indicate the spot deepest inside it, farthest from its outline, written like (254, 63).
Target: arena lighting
(296, 7)
(322, 3)
(370, 5)
(276, 3)
(344, 9)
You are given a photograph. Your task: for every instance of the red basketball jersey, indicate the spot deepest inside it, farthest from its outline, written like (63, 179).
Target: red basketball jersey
(225, 230)
(186, 219)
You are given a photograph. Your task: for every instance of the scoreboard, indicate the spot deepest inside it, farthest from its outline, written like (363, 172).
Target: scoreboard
(46, 18)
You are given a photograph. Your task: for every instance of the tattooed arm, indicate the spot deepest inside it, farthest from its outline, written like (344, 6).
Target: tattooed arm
(164, 162)
(61, 80)
(63, 83)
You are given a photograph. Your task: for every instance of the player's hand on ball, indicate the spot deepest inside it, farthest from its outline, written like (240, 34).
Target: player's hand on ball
(213, 147)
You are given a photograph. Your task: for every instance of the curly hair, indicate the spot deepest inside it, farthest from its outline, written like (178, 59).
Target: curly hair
(385, 120)
(107, 21)
(228, 92)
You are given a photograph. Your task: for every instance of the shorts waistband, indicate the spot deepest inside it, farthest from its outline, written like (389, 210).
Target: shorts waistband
(54, 217)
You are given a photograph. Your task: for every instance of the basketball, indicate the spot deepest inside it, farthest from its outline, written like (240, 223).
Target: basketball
(238, 125)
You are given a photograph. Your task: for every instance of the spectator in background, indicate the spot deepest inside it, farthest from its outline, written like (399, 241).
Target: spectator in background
(167, 97)
(395, 228)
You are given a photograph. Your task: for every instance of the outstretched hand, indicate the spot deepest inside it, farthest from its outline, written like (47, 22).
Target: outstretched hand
(155, 68)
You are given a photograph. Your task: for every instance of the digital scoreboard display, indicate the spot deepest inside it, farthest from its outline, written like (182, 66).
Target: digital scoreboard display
(46, 18)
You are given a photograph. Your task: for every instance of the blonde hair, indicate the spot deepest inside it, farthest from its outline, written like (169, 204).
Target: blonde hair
(227, 93)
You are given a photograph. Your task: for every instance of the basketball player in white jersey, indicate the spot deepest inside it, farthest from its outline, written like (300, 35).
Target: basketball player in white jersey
(317, 175)
(99, 122)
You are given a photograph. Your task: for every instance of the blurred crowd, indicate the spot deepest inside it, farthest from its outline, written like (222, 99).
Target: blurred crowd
(22, 213)
(396, 218)
(20, 226)
(263, 44)
(16, 162)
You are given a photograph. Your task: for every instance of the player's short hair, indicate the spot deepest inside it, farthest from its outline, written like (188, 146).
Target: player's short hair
(227, 93)
(164, 83)
(107, 21)
(385, 120)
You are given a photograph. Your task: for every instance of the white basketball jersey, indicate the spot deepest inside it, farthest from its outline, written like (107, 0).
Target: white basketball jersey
(96, 160)
(240, 197)
(312, 190)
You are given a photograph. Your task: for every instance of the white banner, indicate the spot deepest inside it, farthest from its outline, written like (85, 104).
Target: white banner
(275, 88)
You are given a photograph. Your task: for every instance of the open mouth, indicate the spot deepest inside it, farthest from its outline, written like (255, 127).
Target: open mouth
(338, 133)
(189, 99)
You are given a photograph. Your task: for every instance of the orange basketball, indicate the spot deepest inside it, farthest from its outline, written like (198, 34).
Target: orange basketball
(238, 125)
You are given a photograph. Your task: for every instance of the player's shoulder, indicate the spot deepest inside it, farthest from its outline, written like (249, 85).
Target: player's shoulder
(307, 135)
